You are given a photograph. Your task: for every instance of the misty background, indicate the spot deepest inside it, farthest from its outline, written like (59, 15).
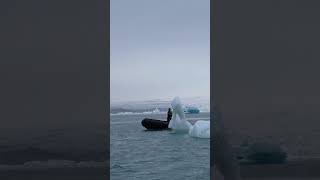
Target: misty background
(159, 49)
(266, 77)
(53, 83)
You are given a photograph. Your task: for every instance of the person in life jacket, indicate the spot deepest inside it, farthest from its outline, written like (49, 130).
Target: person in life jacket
(169, 115)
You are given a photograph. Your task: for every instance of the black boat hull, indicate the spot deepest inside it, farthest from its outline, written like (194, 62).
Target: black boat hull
(154, 124)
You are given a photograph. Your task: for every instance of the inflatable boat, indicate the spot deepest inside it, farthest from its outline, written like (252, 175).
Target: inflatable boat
(154, 124)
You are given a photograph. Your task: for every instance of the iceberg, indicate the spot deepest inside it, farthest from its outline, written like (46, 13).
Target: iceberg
(178, 123)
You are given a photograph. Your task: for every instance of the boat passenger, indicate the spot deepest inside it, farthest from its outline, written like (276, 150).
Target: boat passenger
(169, 115)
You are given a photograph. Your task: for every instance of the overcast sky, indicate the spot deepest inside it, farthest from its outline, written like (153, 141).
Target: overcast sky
(159, 49)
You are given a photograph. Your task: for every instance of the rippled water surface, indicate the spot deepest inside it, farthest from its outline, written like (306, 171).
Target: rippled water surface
(140, 154)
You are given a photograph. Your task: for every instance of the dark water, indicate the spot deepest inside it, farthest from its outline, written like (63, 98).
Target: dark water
(54, 147)
(156, 155)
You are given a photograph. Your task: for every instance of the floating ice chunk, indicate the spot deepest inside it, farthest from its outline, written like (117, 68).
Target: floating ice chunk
(200, 129)
(178, 123)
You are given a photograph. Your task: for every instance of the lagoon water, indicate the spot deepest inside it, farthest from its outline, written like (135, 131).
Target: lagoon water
(138, 154)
